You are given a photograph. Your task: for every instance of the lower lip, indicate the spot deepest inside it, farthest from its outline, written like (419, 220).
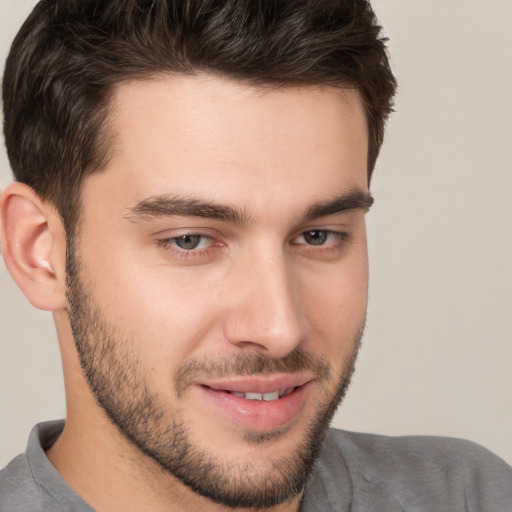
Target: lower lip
(258, 415)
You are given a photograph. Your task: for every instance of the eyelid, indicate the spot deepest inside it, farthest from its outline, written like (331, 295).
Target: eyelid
(336, 234)
(169, 240)
(186, 229)
(197, 256)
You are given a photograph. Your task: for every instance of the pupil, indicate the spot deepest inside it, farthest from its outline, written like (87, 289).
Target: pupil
(188, 242)
(315, 237)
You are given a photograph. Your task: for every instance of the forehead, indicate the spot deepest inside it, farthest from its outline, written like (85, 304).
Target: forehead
(212, 137)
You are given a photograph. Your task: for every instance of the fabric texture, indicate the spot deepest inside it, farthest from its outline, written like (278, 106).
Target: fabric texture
(354, 473)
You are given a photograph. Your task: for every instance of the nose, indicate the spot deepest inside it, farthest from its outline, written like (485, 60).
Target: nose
(266, 314)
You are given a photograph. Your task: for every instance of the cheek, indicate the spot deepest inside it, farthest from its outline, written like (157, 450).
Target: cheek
(168, 316)
(335, 302)
(162, 314)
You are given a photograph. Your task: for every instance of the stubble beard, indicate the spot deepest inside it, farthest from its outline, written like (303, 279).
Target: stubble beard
(116, 378)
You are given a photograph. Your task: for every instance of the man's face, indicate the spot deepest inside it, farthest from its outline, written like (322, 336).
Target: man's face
(217, 282)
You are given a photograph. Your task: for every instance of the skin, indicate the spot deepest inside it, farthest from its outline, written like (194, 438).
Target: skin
(256, 286)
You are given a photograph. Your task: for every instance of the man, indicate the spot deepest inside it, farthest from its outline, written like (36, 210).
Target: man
(192, 181)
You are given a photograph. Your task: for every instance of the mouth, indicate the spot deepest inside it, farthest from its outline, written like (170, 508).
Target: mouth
(265, 388)
(258, 403)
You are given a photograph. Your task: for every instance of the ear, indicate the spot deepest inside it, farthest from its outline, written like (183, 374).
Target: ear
(33, 245)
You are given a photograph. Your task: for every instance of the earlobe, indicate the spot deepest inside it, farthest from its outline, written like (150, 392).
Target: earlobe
(33, 246)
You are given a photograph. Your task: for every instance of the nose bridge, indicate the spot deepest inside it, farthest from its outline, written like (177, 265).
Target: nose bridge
(268, 314)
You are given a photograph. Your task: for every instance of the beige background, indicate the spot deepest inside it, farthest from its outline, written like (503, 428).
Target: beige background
(437, 357)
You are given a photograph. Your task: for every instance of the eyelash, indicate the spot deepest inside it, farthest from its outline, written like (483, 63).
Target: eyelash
(170, 244)
(340, 238)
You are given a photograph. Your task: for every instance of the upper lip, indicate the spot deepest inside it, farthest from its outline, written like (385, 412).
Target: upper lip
(258, 383)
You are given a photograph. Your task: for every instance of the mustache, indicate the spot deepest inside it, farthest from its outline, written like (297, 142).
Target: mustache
(250, 364)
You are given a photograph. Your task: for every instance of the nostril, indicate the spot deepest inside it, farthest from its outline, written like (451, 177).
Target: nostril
(252, 345)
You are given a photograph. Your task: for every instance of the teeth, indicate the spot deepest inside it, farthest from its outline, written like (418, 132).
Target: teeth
(271, 396)
(274, 395)
(254, 396)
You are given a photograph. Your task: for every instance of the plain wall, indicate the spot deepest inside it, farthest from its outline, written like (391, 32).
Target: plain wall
(437, 355)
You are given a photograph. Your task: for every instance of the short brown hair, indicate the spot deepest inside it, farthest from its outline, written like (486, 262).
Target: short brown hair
(69, 54)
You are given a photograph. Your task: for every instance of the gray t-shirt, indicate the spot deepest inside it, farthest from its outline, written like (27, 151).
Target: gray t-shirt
(355, 472)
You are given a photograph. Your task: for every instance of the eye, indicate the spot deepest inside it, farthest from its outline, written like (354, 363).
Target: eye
(319, 237)
(316, 237)
(190, 242)
(191, 248)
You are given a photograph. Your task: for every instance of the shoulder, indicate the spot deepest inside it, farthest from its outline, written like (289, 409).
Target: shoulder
(429, 451)
(29, 483)
(19, 491)
(447, 473)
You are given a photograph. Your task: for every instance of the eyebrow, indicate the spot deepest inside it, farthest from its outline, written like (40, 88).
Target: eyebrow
(354, 200)
(168, 206)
